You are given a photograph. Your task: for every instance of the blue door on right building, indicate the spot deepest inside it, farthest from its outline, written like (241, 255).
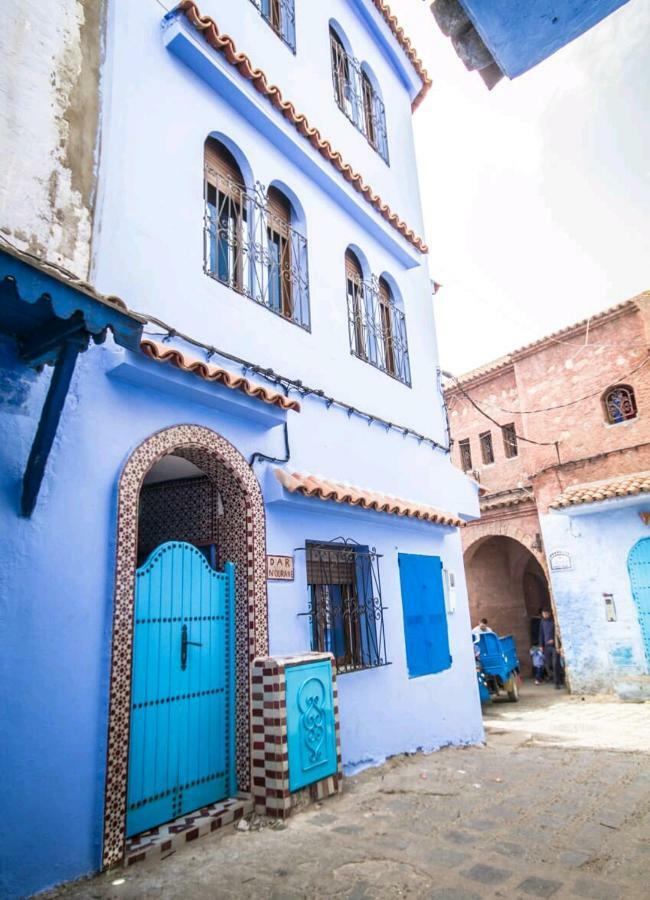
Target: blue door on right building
(639, 568)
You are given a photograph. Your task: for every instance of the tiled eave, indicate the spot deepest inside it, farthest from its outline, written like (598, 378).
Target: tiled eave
(323, 489)
(162, 353)
(505, 500)
(609, 489)
(405, 43)
(224, 44)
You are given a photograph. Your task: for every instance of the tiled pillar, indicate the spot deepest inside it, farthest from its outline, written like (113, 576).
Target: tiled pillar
(270, 752)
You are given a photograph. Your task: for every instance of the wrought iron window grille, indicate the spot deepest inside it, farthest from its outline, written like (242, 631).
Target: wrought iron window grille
(377, 328)
(345, 610)
(281, 16)
(465, 455)
(253, 251)
(357, 99)
(509, 441)
(487, 450)
(620, 404)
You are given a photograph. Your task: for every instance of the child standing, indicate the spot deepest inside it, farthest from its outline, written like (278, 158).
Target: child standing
(537, 658)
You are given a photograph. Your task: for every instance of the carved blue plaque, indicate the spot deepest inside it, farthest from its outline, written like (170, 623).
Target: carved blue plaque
(311, 736)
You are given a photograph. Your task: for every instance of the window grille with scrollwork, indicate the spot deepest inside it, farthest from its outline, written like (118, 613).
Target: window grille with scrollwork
(345, 611)
(510, 447)
(620, 404)
(377, 326)
(487, 450)
(281, 16)
(357, 98)
(465, 455)
(253, 249)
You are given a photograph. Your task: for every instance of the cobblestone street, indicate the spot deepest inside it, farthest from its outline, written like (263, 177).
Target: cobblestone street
(532, 814)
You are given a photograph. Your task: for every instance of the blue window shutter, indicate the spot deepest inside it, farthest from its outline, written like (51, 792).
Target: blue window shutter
(425, 617)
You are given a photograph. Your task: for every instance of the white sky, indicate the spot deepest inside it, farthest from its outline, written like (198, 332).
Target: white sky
(536, 194)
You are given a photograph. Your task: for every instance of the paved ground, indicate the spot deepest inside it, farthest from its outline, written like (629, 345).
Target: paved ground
(544, 810)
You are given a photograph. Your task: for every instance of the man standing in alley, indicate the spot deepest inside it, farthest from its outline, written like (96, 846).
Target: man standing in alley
(547, 641)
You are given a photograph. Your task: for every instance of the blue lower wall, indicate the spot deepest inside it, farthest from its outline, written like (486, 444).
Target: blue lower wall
(56, 594)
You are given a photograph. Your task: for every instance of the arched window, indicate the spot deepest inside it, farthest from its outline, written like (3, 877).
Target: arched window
(226, 216)
(281, 16)
(278, 234)
(341, 74)
(386, 324)
(374, 116)
(620, 404)
(368, 97)
(354, 287)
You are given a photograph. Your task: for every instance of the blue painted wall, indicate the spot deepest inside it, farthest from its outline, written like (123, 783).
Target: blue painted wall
(58, 567)
(521, 34)
(598, 538)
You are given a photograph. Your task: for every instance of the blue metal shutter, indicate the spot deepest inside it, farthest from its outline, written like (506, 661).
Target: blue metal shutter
(425, 617)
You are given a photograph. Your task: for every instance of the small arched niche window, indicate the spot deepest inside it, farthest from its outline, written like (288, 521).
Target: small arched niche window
(226, 247)
(355, 293)
(341, 73)
(279, 265)
(620, 404)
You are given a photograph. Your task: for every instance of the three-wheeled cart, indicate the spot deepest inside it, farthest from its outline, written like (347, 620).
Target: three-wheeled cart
(498, 666)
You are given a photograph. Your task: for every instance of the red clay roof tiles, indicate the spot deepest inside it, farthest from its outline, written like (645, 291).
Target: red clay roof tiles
(321, 488)
(163, 354)
(223, 43)
(593, 492)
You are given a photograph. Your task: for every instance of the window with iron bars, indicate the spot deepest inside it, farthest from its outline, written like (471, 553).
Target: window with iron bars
(253, 249)
(281, 16)
(377, 326)
(345, 612)
(465, 455)
(357, 98)
(487, 450)
(509, 440)
(620, 404)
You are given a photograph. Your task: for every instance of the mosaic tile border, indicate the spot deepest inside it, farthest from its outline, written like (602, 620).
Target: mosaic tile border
(158, 842)
(244, 544)
(270, 755)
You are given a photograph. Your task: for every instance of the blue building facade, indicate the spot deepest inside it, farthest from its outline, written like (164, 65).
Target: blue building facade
(269, 398)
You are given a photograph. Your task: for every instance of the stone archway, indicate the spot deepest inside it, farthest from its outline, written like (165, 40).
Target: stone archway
(507, 585)
(244, 543)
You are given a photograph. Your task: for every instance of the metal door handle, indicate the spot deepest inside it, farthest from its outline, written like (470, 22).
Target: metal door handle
(184, 645)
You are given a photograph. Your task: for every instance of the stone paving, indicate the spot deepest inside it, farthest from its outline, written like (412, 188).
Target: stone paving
(529, 815)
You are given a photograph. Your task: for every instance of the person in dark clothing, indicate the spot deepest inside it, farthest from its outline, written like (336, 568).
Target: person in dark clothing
(547, 642)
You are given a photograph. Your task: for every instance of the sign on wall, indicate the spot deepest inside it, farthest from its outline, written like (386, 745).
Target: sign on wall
(279, 568)
(560, 561)
(645, 517)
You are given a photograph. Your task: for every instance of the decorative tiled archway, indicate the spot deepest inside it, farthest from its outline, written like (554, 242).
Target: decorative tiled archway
(245, 544)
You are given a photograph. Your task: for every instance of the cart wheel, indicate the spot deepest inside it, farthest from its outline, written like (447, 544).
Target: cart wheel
(512, 688)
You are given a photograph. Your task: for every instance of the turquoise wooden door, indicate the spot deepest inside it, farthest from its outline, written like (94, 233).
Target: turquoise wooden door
(639, 568)
(181, 753)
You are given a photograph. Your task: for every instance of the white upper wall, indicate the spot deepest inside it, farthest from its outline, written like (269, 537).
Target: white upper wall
(149, 243)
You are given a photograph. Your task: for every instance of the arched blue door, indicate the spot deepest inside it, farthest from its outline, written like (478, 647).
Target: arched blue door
(639, 568)
(181, 753)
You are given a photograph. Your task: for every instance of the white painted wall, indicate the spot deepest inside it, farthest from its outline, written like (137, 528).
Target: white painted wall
(598, 653)
(48, 126)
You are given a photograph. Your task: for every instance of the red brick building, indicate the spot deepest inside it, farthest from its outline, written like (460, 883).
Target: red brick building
(569, 409)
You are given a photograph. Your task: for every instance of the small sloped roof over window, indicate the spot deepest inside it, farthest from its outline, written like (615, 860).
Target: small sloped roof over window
(323, 489)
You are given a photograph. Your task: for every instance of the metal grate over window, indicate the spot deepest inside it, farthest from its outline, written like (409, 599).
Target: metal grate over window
(357, 98)
(620, 404)
(465, 455)
(487, 450)
(377, 326)
(510, 447)
(250, 246)
(281, 16)
(345, 611)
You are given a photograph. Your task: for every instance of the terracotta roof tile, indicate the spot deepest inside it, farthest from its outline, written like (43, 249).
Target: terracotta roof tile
(595, 491)
(315, 486)
(505, 499)
(405, 42)
(223, 43)
(163, 354)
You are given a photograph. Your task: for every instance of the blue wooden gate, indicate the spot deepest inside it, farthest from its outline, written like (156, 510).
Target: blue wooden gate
(181, 754)
(639, 568)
